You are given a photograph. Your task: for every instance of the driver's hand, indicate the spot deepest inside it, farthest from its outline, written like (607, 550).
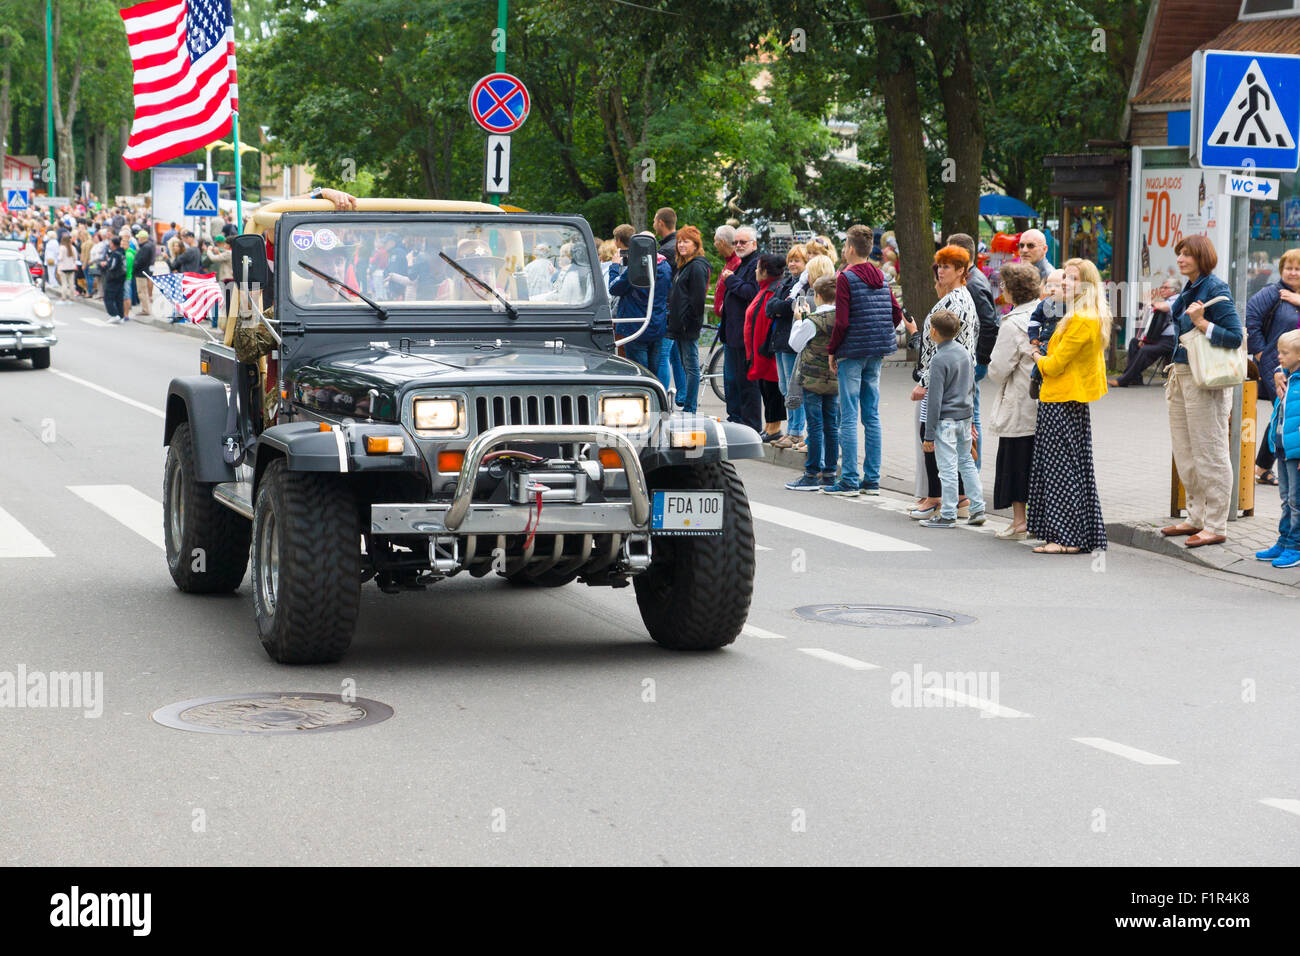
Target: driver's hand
(345, 202)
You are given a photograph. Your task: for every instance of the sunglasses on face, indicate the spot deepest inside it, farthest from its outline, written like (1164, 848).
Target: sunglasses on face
(1028, 245)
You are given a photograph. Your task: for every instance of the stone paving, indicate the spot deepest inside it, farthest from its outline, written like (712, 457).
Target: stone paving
(1131, 449)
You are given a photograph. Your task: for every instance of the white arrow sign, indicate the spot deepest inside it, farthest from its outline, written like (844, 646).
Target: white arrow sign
(496, 169)
(1253, 187)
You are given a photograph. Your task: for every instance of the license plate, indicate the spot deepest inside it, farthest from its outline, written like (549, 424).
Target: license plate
(687, 512)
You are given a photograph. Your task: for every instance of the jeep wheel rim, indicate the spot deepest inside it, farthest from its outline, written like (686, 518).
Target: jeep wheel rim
(176, 515)
(268, 564)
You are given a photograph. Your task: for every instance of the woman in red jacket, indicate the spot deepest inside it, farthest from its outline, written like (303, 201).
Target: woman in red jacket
(762, 368)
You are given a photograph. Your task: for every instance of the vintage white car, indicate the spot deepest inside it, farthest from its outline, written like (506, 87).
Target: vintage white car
(26, 315)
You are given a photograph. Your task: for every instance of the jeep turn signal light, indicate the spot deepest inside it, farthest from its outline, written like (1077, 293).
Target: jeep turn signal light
(326, 427)
(687, 439)
(610, 459)
(385, 444)
(450, 461)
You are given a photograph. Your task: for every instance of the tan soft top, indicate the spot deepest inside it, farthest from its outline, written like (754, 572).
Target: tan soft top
(266, 216)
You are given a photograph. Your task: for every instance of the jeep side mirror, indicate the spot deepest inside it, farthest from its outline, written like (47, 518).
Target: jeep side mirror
(252, 247)
(641, 254)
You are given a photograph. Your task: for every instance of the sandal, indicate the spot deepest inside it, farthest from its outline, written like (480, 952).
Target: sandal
(1267, 478)
(1053, 548)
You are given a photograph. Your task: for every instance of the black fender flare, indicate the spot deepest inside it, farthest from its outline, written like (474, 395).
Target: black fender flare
(200, 400)
(304, 447)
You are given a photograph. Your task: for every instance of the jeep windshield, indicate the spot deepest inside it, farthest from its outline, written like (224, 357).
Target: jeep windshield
(400, 265)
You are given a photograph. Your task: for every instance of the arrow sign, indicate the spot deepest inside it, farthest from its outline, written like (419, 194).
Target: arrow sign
(1252, 187)
(496, 169)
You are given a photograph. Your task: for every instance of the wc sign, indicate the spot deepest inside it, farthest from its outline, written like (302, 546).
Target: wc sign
(1253, 187)
(1247, 111)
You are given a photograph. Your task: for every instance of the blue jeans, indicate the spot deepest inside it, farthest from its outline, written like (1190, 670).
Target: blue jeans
(860, 390)
(784, 367)
(679, 368)
(823, 433)
(132, 292)
(90, 283)
(645, 354)
(952, 447)
(1288, 484)
(744, 401)
(688, 356)
(979, 442)
(662, 370)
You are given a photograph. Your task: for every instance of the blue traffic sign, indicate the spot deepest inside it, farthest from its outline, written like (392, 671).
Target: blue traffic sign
(499, 103)
(18, 200)
(1249, 111)
(199, 199)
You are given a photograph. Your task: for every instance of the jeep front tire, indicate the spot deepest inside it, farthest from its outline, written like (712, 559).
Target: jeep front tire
(695, 595)
(306, 565)
(207, 543)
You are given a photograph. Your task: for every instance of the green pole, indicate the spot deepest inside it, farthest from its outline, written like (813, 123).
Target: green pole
(239, 186)
(52, 184)
(501, 61)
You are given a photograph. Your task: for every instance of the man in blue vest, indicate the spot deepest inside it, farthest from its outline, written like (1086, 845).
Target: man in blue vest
(866, 314)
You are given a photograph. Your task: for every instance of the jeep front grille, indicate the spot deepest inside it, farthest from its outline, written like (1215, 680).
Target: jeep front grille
(531, 408)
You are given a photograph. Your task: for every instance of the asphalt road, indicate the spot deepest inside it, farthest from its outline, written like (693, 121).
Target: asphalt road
(1129, 711)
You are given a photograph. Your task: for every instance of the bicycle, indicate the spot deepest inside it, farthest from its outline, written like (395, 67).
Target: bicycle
(711, 367)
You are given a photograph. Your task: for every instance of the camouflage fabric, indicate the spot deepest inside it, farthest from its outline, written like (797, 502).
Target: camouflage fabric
(252, 340)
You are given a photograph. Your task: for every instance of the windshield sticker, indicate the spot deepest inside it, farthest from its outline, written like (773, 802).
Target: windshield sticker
(326, 239)
(301, 239)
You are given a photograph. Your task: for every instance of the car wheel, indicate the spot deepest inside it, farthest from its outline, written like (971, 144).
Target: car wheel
(40, 358)
(207, 543)
(695, 595)
(306, 565)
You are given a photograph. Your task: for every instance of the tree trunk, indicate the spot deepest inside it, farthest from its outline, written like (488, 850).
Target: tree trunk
(618, 135)
(950, 47)
(912, 225)
(125, 185)
(99, 164)
(5, 112)
(66, 177)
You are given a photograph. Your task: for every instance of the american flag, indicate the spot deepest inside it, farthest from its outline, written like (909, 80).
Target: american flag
(193, 294)
(183, 55)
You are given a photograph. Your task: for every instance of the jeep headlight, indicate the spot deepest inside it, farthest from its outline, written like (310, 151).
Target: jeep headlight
(623, 411)
(42, 308)
(437, 414)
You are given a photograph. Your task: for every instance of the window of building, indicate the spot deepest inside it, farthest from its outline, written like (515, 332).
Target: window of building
(1261, 9)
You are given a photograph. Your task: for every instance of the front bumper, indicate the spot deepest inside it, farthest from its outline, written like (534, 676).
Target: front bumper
(16, 340)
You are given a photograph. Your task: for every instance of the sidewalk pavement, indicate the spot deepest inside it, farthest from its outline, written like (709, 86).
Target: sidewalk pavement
(1132, 456)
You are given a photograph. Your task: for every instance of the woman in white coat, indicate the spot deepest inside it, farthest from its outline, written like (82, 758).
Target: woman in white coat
(1013, 414)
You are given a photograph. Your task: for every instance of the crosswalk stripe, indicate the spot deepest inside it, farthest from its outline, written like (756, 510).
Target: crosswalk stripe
(110, 393)
(91, 320)
(751, 631)
(17, 542)
(844, 661)
(1123, 750)
(833, 530)
(1290, 806)
(130, 507)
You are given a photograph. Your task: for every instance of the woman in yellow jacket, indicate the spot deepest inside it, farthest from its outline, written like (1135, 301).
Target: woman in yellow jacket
(1064, 509)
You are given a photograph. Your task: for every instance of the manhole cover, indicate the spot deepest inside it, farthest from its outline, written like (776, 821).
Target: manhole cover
(877, 615)
(274, 713)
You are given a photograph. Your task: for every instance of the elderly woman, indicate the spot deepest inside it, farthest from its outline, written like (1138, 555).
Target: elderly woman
(780, 310)
(1156, 343)
(951, 265)
(1198, 417)
(1013, 413)
(1272, 312)
(1064, 509)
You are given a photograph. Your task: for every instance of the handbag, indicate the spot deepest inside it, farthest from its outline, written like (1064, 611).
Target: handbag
(1214, 366)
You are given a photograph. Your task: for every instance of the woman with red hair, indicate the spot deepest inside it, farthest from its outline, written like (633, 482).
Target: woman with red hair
(686, 309)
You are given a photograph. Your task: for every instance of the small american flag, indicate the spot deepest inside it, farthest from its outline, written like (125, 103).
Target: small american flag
(193, 294)
(185, 87)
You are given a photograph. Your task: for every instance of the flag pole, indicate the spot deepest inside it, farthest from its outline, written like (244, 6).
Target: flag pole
(239, 189)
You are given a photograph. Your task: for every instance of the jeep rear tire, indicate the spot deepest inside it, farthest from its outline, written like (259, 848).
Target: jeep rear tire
(207, 543)
(695, 595)
(306, 565)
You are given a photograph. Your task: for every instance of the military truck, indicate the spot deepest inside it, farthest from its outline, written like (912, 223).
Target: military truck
(416, 389)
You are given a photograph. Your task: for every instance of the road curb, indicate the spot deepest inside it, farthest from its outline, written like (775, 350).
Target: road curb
(183, 328)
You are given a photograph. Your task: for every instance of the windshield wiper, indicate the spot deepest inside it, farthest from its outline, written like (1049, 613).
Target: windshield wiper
(510, 309)
(340, 284)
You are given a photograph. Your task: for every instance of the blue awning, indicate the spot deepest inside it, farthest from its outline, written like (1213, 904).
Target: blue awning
(996, 204)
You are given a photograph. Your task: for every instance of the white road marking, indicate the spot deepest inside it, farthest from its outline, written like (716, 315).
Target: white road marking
(759, 547)
(91, 320)
(833, 530)
(1123, 750)
(850, 662)
(979, 703)
(753, 631)
(111, 394)
(133, 508)
(17, 542)
(1290, 806)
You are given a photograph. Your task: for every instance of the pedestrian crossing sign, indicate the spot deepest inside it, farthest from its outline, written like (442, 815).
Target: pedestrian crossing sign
(199, 198)
(1249, 110)
(18, 200)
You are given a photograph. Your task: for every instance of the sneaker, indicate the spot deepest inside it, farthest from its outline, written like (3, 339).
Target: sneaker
(976, 518)
(828, 478)
(869, 490)
(1289, 558)
(1272, 554)
(841, 488)
(807, 483)
(939, 522)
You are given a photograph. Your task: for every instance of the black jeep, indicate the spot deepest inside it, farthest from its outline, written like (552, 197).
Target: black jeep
(420, 388)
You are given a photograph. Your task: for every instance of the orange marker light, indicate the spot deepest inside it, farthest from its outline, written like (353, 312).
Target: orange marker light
(203, 367)
(450, 461)
(610, 459)
(326, 427)
(385, 444)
